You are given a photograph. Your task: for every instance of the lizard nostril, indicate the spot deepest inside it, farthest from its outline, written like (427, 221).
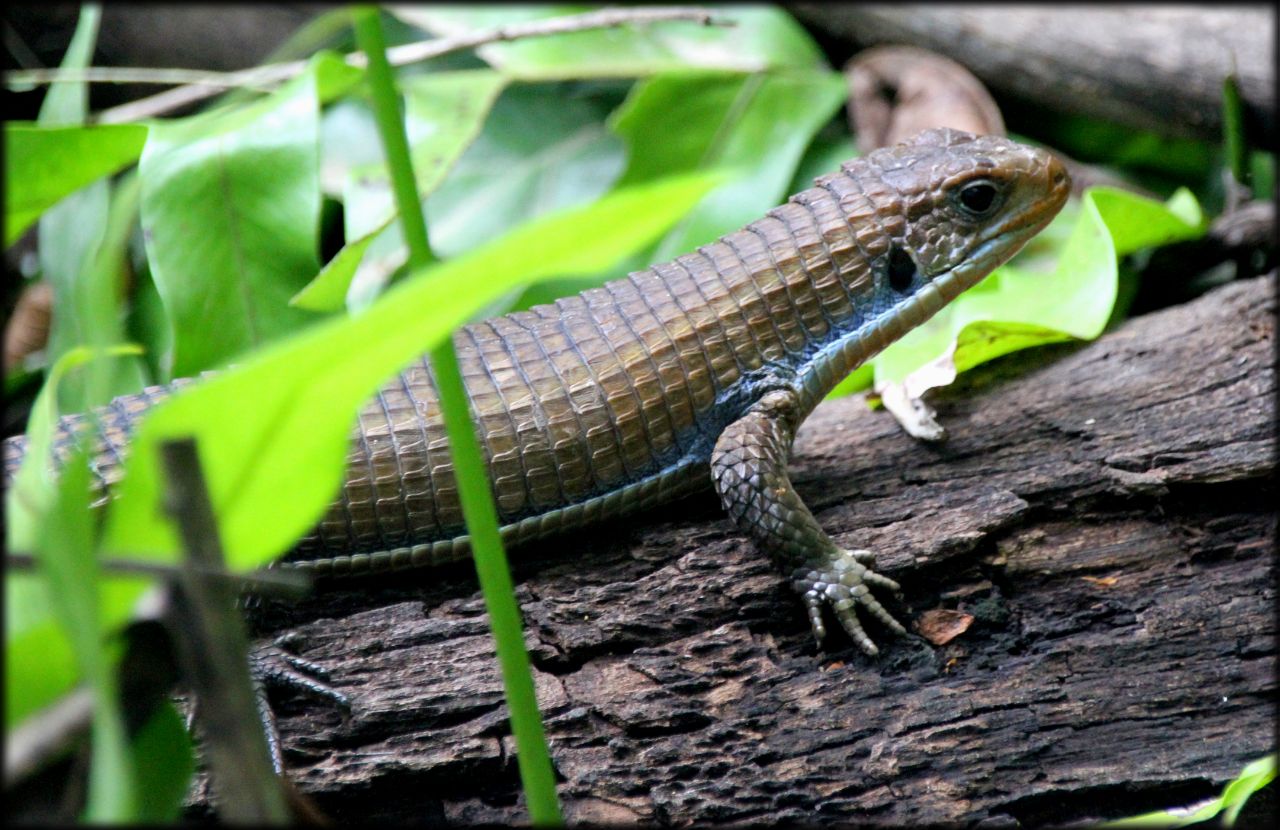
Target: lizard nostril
(1059, 172)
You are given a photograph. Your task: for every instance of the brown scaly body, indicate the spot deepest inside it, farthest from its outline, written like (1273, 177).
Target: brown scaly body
(685, 374)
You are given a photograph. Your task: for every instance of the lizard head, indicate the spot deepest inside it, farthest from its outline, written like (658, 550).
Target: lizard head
(953, 206)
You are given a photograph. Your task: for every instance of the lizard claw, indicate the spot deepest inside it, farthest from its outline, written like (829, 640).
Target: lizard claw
(843, 580)
(274, 665)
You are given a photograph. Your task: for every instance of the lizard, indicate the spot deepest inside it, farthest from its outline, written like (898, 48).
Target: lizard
(691, 373)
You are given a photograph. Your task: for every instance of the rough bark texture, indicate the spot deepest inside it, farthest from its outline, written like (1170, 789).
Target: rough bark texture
(1153, 67)
(1105, 512)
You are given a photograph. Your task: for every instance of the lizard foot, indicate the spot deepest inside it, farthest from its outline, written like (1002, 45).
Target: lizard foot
(274, 665)
(843, 579)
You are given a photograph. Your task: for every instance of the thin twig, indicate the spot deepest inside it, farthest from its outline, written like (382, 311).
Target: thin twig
(38, 738)
(24, 78)
(267, 582)
(210, 644)
(261, 76)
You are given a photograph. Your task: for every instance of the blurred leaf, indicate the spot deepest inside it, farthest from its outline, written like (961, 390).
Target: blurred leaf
(1262, 172)
(348, 139)
(164, 758)
(87, 282)
(273, 433)
(830, 148)
(1143, 153)
(34, 488)
(87, 268)
(1020, 305)
(67, 102)
(444, 112)
(537, 153)
(39, 663)
(759, 124)
(334, 77)
(1252, 778)
(762, 37)
(65, 552)
(42, 165)
(230, 210)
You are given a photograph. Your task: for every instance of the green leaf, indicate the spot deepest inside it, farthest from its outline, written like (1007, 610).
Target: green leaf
(230, 210)
(273, 433)
(538, 153)
(759, 124)
(707, 120)
(328, 291)
(87, 282)
(1021, 305)
(1235, 795)
(69, 624)
(43, 165)
(65, 551)
(444, 112)
(334, 77)
(164, 758)
(1252, 778)
(759, 38)
(34, 488)
(67, 102)
(82, 254)
(39, 663)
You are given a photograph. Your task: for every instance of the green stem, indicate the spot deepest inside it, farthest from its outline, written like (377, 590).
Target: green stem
(473, 485)
(1233, 131)
(395, 143)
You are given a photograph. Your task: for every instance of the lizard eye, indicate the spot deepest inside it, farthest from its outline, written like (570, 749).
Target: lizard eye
(979, 198)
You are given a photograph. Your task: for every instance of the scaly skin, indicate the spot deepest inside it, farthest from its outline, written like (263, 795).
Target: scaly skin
(628, 395)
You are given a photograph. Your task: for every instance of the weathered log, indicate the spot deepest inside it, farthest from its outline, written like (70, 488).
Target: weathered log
(1152, 67)
(1104, 511)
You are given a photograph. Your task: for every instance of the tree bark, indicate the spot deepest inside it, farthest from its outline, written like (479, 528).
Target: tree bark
(1158, 68)
(1104, 512)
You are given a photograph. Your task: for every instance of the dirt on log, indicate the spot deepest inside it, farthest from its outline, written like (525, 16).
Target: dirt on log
(1104, 512)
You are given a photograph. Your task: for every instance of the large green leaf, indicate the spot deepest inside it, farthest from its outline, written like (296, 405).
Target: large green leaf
(273, 432)
(759, 124)
(42, 165)
(538, 153)
(230, 211)
(757, 38)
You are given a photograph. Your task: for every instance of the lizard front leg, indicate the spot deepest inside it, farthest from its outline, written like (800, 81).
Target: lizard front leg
(748, 467)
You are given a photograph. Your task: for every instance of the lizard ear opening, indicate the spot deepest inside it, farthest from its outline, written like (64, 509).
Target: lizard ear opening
(902, 270)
